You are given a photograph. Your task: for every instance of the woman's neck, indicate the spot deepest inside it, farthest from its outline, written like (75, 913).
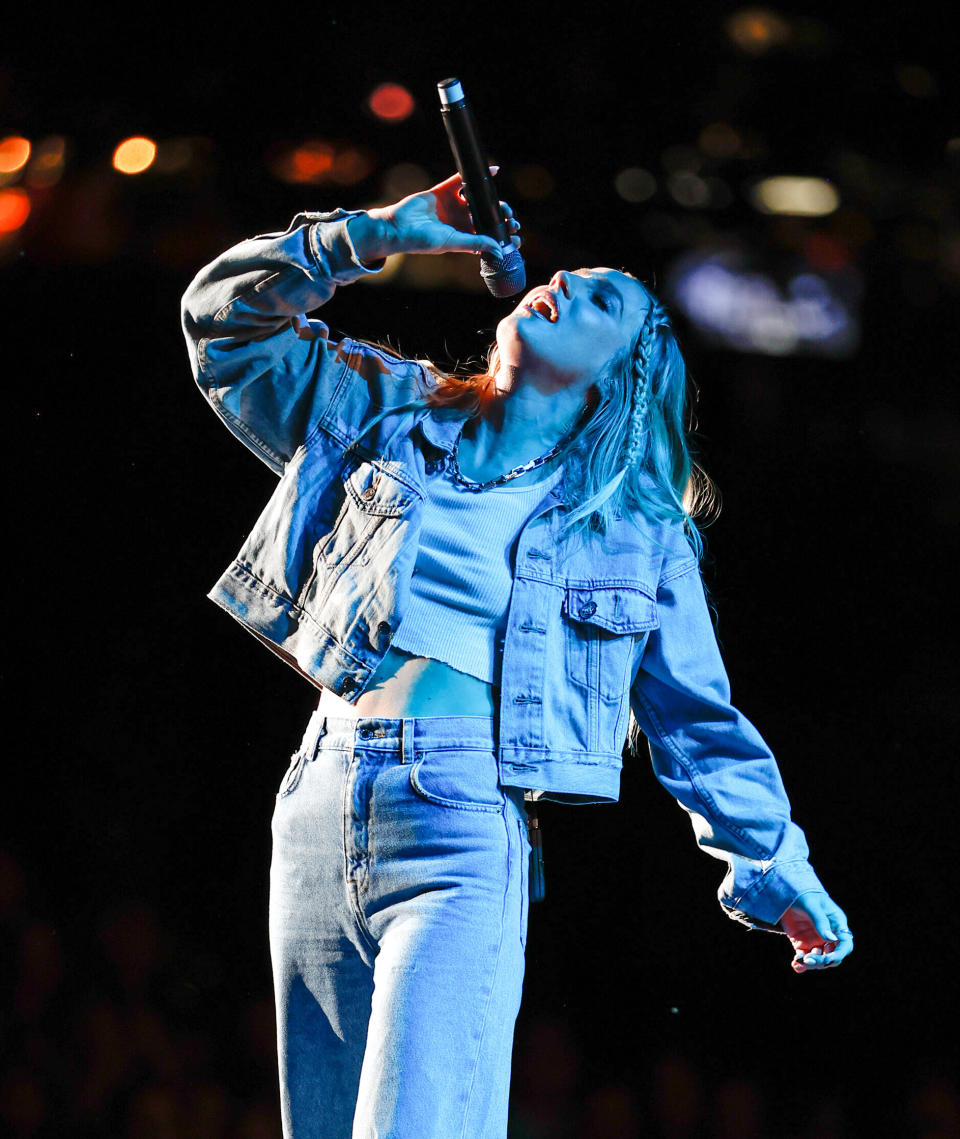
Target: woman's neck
(522, 423)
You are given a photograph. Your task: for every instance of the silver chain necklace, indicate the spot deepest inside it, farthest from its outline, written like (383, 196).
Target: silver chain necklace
(458, 477)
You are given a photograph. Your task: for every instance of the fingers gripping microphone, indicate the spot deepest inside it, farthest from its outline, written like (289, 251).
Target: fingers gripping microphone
(502, 277)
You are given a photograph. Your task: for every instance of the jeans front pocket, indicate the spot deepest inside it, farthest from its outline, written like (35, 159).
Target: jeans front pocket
(464, 780)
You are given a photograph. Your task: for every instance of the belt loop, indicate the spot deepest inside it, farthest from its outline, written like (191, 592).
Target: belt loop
(320, 732)
(406, 741)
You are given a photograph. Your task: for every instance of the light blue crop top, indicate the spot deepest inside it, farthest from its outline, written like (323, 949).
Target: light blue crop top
(460, 589)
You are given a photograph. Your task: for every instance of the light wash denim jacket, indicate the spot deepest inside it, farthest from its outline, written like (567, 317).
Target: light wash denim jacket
(323, 578)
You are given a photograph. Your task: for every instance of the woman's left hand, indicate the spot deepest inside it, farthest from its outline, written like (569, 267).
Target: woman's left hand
(818, 932)
(433, 221)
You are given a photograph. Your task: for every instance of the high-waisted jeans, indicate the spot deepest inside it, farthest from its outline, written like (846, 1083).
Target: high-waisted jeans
(398, 918)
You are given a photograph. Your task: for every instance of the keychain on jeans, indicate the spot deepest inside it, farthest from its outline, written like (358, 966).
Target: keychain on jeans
(536, 854)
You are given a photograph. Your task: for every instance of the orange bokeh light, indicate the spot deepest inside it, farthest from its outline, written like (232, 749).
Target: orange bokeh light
(14, 152)
(320, 162)
(310, 162)
(134, 155)
(14, 209)
(391, 102)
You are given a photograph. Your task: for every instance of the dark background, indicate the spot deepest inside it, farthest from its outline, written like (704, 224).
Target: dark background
(147, 733)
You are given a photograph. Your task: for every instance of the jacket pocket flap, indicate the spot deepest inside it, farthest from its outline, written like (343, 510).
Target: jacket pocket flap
(617, 608)
(376, 492)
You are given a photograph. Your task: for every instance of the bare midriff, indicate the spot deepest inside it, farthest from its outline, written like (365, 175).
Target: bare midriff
(405, 685)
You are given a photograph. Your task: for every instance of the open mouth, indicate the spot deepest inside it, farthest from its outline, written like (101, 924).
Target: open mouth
(544, 307)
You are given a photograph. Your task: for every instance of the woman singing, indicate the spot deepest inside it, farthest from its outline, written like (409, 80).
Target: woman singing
(485, 576)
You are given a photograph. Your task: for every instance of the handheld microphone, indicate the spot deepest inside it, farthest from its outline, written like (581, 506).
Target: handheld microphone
(502, 277)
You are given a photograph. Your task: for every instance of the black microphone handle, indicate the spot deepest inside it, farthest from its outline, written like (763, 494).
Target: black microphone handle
(478, 187)
(505, 276)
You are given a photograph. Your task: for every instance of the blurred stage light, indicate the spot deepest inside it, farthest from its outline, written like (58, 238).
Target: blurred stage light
(14, 152)
(757, 30)
(47, 162)
(14, 209)
(391, 103)
(311, 162)
(134, 155)
(735, 301)
(688, 189)
(351, 165)
(915, 80)
(635, 184)
(799, 197)
(719, 140)
(318, 162)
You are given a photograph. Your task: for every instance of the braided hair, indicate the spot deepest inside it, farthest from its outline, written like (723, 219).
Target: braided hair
(633, 456)
(655, 320)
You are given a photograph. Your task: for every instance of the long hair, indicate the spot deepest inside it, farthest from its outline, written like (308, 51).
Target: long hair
(633, 457)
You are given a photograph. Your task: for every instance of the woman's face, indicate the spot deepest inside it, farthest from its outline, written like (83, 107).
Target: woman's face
(564, 334)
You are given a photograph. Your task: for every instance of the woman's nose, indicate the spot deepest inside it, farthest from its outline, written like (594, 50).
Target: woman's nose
(560, 280)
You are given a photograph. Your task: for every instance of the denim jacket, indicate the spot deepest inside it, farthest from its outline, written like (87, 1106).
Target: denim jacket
(593, 633)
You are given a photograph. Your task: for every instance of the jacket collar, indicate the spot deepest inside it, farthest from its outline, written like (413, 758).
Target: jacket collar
(441, 426)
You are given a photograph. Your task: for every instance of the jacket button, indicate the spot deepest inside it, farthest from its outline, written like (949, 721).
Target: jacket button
(383, 629)
(588, 610)
(347, 684)
(369, 493)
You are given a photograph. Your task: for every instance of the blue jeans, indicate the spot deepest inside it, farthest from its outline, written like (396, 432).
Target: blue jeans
(398, 917)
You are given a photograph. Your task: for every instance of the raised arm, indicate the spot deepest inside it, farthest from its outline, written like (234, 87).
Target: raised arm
(268, 371)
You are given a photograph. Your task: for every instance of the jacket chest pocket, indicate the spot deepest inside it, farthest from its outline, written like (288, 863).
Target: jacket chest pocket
(603, 626)
(373, 501)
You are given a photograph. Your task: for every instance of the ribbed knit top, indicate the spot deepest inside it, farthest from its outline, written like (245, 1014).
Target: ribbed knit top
(460, 589)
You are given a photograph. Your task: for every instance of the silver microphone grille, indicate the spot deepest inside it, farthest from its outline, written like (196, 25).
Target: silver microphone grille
(506, 277)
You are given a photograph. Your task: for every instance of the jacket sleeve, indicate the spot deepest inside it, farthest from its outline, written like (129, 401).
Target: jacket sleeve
(710, 757)
(268, 371)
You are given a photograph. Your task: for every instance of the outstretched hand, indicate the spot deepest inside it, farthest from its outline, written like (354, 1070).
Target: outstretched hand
(817, 929)
(436, 221)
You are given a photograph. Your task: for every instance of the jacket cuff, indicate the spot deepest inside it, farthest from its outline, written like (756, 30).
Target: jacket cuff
(774, 892)
(332, 247)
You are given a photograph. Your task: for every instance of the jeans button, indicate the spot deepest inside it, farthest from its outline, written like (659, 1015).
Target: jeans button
(365, 733)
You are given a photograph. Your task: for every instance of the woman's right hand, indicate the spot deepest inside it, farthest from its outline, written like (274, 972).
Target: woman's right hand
(818, 932)
(433, 221)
